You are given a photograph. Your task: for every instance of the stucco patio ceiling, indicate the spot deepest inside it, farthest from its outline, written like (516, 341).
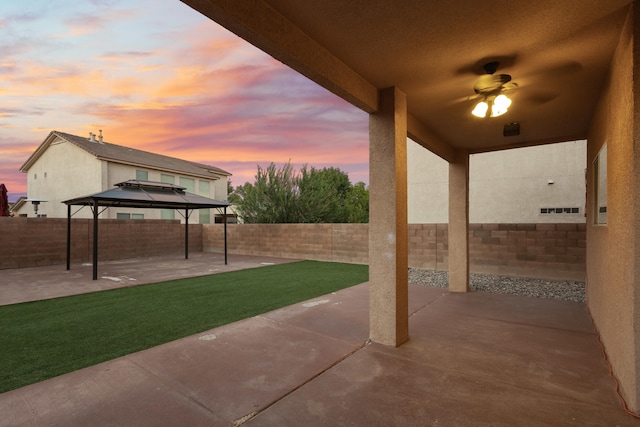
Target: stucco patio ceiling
(557, 51)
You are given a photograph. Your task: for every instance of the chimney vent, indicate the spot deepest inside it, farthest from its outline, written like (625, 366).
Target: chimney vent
(92, 137)
(100, 136)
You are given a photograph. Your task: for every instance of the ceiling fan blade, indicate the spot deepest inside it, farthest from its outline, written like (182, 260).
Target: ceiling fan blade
(464, 99)
(553, 72)
(540, 96)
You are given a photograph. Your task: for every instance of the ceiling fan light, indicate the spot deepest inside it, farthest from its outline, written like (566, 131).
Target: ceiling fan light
(481, 109)
(500, 105)
(502, 101)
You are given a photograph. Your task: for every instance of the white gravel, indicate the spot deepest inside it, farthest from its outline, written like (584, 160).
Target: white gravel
(540, 288)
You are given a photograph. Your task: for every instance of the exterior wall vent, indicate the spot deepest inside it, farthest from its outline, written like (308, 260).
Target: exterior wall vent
(547, 211)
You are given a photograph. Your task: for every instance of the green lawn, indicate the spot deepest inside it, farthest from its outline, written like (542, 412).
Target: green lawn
(43, 339)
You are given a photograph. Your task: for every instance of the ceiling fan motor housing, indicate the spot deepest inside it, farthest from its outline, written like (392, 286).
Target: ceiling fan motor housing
(491, 83)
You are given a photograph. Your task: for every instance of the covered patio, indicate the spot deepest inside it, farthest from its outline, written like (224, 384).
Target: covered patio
(506, 360)
(390, 353)
(423, 69)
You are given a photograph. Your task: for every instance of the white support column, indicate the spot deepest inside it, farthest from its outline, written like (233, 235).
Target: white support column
(388, 239)
(459, 222)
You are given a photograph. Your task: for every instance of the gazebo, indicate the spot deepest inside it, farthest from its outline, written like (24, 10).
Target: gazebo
(143, 194)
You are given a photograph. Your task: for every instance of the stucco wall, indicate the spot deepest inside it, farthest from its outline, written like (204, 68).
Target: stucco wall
(118, 173)
(509, 186)
(613, 255)
(62, 172)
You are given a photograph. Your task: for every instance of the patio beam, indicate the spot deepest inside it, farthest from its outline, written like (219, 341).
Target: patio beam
(424, 136)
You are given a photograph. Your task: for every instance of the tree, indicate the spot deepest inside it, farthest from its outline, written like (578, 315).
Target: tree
(232, 196)
(280, 195)
(271, 198)
(358, 204)
(322, 195)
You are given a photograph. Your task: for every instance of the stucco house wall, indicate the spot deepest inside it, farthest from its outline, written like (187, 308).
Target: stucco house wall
(613, 250)
(63, 171)
(510, 186)
(118, 172)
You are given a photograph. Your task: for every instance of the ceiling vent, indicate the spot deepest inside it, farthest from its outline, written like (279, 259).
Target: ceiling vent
(511, 129)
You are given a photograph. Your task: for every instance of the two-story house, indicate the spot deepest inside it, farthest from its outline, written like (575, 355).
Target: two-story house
(66, 166)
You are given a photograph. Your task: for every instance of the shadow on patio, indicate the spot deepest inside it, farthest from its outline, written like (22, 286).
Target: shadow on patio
(473, 359)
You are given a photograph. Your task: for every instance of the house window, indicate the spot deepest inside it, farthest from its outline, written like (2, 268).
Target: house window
(189, 184)
(167, 214)
(169, 179)
(142, 175)
(600, 186)
(205, 216)
(204, 188)
(121, 215)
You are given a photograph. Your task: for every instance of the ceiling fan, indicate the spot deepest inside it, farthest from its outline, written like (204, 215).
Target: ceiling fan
(491, 87)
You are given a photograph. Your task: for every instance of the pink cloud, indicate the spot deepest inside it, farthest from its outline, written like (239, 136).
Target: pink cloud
(79, 24)
(123, 56)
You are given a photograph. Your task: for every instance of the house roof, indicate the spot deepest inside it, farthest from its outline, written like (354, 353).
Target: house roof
(147, 194)
(558, 52)
(13, 207)
(126, 155)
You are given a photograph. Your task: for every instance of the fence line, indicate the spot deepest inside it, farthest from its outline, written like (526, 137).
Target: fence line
(554, 251)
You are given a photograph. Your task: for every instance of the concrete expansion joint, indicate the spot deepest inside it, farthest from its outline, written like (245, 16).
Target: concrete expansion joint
(444, 294)
(252, 415)
(309, 331)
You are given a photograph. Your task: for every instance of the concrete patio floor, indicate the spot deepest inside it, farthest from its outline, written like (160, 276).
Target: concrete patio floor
(30, 284)
(474, 359)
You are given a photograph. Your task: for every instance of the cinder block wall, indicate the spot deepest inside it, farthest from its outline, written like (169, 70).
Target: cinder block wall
(30, 242)
(428, 246)
(321, 242)
(553, 251)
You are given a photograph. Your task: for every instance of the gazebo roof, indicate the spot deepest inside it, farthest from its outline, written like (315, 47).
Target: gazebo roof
(147, 194)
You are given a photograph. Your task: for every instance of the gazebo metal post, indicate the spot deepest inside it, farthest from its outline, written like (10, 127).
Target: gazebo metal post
(186, 233)
(68, 237)
(225, 235)
(95, 239)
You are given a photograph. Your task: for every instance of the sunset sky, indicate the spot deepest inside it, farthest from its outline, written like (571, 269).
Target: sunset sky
(158, 76)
